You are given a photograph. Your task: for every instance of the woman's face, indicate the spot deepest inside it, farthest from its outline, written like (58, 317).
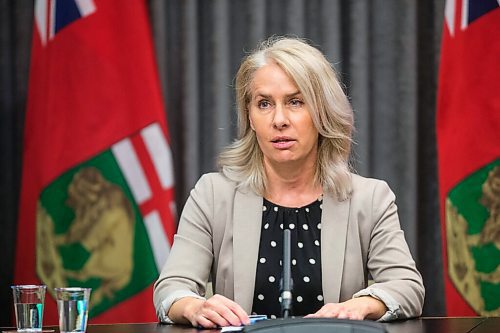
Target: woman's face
(281, 120)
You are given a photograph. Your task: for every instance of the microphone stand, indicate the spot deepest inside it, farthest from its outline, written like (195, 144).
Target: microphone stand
(286, 280)
(316, 325)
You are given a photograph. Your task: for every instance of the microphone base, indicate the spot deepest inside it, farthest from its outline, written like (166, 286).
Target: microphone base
(316, 325)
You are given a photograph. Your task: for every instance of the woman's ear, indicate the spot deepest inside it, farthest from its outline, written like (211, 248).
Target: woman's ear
(251, 122)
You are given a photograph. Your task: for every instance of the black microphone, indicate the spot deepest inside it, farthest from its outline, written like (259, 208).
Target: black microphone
(286, 278)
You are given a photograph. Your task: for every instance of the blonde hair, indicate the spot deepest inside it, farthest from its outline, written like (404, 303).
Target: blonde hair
(331, 112)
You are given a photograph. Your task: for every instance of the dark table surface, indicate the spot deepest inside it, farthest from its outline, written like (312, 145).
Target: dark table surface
(420, 325)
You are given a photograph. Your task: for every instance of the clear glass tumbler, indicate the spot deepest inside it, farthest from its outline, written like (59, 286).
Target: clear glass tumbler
(73, 308)
(28, 305)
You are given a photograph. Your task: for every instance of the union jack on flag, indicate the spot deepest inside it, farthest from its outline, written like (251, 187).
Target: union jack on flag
(470, 10)
(53, 15)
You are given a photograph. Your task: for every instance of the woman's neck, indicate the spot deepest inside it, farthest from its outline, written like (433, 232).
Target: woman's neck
(291, 186)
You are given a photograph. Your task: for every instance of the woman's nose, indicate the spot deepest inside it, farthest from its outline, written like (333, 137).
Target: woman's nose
(280, 119)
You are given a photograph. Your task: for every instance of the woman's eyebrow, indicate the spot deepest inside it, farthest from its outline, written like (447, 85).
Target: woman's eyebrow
(293, 94)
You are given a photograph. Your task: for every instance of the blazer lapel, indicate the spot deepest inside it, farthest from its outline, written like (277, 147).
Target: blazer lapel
(247, 217)
(334, 221)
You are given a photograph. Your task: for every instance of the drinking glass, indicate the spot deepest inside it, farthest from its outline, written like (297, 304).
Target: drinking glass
(73, 309)
(28, 305)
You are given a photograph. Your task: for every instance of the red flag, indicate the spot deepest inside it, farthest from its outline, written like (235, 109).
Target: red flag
(97, 203)
(468, 133)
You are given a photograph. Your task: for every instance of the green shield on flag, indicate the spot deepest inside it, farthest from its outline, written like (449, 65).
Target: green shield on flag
(473, 239)
(90, 233)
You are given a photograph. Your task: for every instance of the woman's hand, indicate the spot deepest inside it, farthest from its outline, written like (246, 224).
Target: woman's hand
(359, 308)
(217, 311)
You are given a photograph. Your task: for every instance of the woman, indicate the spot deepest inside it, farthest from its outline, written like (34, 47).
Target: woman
(288, 170)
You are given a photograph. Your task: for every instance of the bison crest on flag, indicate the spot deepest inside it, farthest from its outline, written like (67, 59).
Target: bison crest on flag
(473, 239)
(96, 228)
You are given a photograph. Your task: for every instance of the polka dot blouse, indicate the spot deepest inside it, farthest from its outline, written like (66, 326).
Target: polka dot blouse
(305, 226)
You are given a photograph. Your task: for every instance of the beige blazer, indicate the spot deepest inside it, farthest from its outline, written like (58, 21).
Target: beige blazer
(219, 233)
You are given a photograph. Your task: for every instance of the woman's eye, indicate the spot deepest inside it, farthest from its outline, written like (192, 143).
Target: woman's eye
(296, 102)
(263, 104)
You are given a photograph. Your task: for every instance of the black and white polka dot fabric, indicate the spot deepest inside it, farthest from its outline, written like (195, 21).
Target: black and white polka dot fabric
(305, 226)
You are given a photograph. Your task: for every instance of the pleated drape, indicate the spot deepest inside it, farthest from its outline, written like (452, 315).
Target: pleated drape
(386, 53)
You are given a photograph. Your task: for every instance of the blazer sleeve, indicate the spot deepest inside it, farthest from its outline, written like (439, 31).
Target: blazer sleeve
(397, 281)
(187, 269)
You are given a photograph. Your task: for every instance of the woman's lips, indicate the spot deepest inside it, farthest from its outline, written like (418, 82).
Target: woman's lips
(282, 142)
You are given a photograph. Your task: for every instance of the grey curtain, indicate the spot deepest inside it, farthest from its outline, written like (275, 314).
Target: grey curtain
(386, 52)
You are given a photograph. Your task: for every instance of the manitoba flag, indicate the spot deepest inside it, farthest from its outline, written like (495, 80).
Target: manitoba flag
(97, 203)
(468, 132)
